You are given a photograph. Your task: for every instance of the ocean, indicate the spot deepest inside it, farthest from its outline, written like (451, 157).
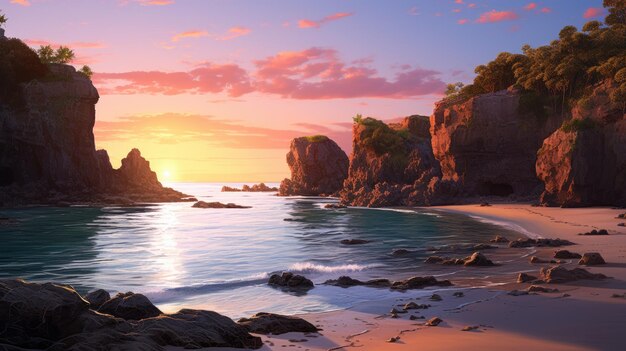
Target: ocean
(220, 259)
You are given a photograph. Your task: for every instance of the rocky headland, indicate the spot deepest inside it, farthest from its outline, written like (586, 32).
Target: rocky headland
(318, 167)
(47, 147)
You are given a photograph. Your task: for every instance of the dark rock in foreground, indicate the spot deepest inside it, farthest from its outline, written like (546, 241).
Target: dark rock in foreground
(561, 274)
(256, 188)
(419, 283)
(499, 239)
(595, 232)
(130, 306)
(524, 278)
(591, 259)
(202, 204)
(55, 317)
(270, 323)
(345, 282)
(290, 281)
(521, 243)
(97, 298)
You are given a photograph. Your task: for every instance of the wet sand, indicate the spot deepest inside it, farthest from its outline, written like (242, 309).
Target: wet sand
(582, 315)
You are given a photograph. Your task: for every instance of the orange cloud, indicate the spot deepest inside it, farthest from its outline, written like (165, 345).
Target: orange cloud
(530, 6)
(593, 12)
(21, 2)
(155, 2)
(190, 34)
(497, 16)
(235, 32)
(315, 73)
(305, 23)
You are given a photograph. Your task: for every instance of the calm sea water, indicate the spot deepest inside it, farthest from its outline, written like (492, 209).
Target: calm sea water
(220, 259)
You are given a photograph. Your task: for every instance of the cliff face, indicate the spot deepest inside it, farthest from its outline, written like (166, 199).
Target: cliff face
(488, 147)
(318, 167)
(47, 149)
(584, 162)
(391, 165)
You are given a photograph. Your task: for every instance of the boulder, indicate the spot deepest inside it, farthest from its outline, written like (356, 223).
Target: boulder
(318, 167)
(335, 206)
(419, 283)
(591, 259)
(130, 306)
(270, 323)
(596, 232)
(203, 204)
(499, 240)
(97, 298)
(537, 288)
(256, 188)
(477, 259)
(535, 259)
(527, 242)
(566, 255)
(560, 274)
(290, 281)
(524, 278)
(433, 322)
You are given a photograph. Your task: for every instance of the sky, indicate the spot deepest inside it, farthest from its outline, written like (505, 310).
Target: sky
(214, 90)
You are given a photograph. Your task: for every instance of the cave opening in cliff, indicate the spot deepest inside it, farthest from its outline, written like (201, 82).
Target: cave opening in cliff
(6, 176)
(496, 189)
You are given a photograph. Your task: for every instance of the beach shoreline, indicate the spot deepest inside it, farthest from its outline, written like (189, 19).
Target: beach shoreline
(582, 315)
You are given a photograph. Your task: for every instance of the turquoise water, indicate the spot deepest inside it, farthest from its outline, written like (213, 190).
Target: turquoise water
(220, 258)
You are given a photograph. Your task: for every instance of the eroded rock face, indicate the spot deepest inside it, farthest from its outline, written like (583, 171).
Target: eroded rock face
(130, 306)
(488, 147)
(318, 167)
(392, 165)
(584, 162)
(55, 317)
(560, 274)
(48, 154)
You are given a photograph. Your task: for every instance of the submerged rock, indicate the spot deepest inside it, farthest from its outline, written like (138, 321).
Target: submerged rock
(591, 259)
(130, 306)
(537, 288)
(345, 282)
(291, 281)
(335, 206)
(270, 323)
(521, 243)
(202, 204)
(560, 274)
(354, 241)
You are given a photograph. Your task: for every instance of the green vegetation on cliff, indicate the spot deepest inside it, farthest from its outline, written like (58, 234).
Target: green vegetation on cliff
(563, 72)
(380, 138)
(316, 138)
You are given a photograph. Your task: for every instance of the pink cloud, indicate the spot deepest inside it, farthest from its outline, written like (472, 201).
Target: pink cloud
(593, 12)
(190, 34)
(530, 6)
(471, 6)
(315, 73)
(463, 21)
(497, 16)
(458, 1)
(21, 2)
(306, 23)
(546, 10)
(155, 2)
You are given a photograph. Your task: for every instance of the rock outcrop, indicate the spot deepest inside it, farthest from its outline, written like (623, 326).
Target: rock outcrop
(255, 188)
(488, 146)
(55, 317)
(391, 165)
(584, 162)
(276, 324)
(48, 154)
(318, 167)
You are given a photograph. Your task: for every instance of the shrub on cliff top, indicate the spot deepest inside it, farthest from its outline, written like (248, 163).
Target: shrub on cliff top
(577, 125)
(18, 64)
(316, 138)
(380, 138)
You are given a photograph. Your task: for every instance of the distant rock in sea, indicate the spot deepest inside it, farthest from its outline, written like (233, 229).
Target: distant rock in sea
(256, 188)
(318, 167)
(202, 204)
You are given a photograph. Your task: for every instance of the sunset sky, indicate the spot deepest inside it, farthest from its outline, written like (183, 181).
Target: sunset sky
(214, 90)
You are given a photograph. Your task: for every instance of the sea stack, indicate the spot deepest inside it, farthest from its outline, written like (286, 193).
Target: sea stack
(318, 167)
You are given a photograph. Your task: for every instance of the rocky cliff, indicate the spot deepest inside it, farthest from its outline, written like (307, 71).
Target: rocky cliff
(47, 149)
(318, 167)
(391, 165)
(583, 163)
(488, 145)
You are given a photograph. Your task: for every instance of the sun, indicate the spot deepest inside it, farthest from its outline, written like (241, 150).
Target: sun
(167, 175)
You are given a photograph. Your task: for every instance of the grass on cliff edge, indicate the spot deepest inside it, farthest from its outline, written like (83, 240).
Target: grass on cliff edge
(316, 138)
(382, 139)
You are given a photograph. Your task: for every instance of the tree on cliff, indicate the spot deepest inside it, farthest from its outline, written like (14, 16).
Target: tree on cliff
(560, 74)
(48, 55)
(3, 19)
(18, 64)
(86, 70)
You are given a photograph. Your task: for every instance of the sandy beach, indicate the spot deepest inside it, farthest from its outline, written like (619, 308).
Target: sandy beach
(582, 315)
